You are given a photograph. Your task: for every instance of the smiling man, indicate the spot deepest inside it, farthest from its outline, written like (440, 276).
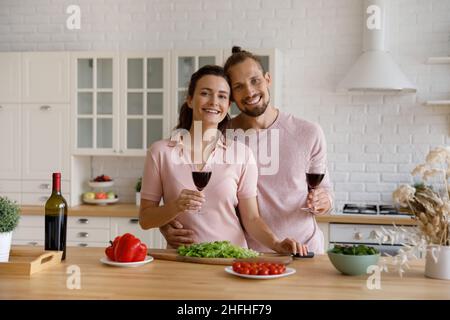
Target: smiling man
(283, 194)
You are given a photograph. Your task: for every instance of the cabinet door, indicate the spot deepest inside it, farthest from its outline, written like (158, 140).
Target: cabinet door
(145, 110)
(10, 140)
(184, 64)
(45, 77)
(152, 238)
(45, 143)
(95, 104)
(10, 65)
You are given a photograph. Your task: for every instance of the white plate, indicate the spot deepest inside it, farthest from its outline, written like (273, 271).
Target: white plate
(100, 201)
(288, 272)
(106, 260)
(104, 184)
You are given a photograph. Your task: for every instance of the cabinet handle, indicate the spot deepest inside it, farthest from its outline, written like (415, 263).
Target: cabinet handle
(32, 243)
(45, 108)
(1, 107)
(82, 244)
(83, 221)
(134, 221)
(121, 151)
(43, 198)
(45, 186)
(358, 236)
(83, 234)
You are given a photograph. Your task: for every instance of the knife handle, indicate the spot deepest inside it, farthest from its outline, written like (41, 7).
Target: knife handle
(298, 256)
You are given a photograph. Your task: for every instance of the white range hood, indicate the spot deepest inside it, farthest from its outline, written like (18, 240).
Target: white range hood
(375, 69)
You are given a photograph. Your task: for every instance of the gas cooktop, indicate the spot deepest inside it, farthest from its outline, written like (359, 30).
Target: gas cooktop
(372, 209)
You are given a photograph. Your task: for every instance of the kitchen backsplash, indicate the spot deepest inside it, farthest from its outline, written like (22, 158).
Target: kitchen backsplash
(124, 170)
(374, 140)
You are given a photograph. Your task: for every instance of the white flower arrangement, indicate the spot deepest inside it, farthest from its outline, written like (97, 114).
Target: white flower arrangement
(430, 209)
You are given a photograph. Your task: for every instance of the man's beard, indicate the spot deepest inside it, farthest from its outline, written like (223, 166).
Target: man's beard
(256, 112)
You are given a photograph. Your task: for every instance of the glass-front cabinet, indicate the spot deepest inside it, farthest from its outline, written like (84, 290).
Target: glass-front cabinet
(144, 99)
(120, 102)
(95, 103)
(184, 64)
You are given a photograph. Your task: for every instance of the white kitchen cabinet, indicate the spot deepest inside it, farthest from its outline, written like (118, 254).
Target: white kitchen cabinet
(144, 112)
(95, 103)
(88, 231)
(324, 227)
(30, 231)
(45, 77)
(10, 141)
(184, 64)
(152, 238)
(123, 117)
(45, 141)
(10, 77)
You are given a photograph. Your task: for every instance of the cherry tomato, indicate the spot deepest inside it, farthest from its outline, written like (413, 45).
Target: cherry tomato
(254, 271)
(245, 271)
(263, 272)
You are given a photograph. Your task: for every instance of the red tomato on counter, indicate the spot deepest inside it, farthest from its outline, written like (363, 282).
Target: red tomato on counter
(259, 268)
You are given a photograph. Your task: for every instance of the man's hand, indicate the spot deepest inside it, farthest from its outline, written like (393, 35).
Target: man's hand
(319, 201)
(175, 234)
(291, 246)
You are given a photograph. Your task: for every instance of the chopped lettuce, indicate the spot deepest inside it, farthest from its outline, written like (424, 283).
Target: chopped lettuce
(216, 249)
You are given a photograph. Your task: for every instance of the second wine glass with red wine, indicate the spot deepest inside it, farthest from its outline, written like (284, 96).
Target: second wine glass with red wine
(315, 172)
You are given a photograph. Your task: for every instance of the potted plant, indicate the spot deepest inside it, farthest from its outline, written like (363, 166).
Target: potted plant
(9, 218)
(430, 206)
(138, 191)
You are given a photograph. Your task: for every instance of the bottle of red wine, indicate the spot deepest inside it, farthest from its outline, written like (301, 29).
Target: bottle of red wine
(56, 218)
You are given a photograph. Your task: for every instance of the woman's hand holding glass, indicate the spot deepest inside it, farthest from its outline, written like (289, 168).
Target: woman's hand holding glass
(189, 201)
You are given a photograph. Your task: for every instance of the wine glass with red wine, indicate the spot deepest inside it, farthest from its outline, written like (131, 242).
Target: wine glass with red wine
(201, 179)
(315, 172)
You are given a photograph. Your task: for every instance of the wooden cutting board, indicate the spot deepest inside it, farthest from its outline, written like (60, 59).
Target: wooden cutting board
(172, 255)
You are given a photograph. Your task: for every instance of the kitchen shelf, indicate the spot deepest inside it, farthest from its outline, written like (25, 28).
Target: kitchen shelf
(438, 103)
(438, 60)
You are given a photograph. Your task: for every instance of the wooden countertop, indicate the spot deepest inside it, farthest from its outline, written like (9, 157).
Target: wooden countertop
(315, 279)
(131, 210)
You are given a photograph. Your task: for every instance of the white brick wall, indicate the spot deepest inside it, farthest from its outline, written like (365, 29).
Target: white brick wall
(373, 140)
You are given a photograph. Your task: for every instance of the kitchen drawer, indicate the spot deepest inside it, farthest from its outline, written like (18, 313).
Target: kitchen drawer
(39, 199)
(360, 233)
(32, 221)
(10, 186)
(12, 196)
(88, 222)
(33, 243)
(88, 244)
(43, 186)
(88, 235)
(29, 233)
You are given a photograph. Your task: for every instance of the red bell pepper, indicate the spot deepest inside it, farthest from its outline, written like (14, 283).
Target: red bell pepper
(126, 248)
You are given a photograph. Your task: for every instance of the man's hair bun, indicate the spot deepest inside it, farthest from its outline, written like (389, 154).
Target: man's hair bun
(236, 49)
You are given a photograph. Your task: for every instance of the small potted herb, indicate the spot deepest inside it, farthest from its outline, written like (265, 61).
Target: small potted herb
(9, 218)
(138, 191)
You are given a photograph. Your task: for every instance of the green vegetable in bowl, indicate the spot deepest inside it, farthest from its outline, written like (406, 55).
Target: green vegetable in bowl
(216, 249)
(355, 250)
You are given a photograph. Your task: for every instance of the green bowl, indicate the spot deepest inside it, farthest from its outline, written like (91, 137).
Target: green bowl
(352, 265)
